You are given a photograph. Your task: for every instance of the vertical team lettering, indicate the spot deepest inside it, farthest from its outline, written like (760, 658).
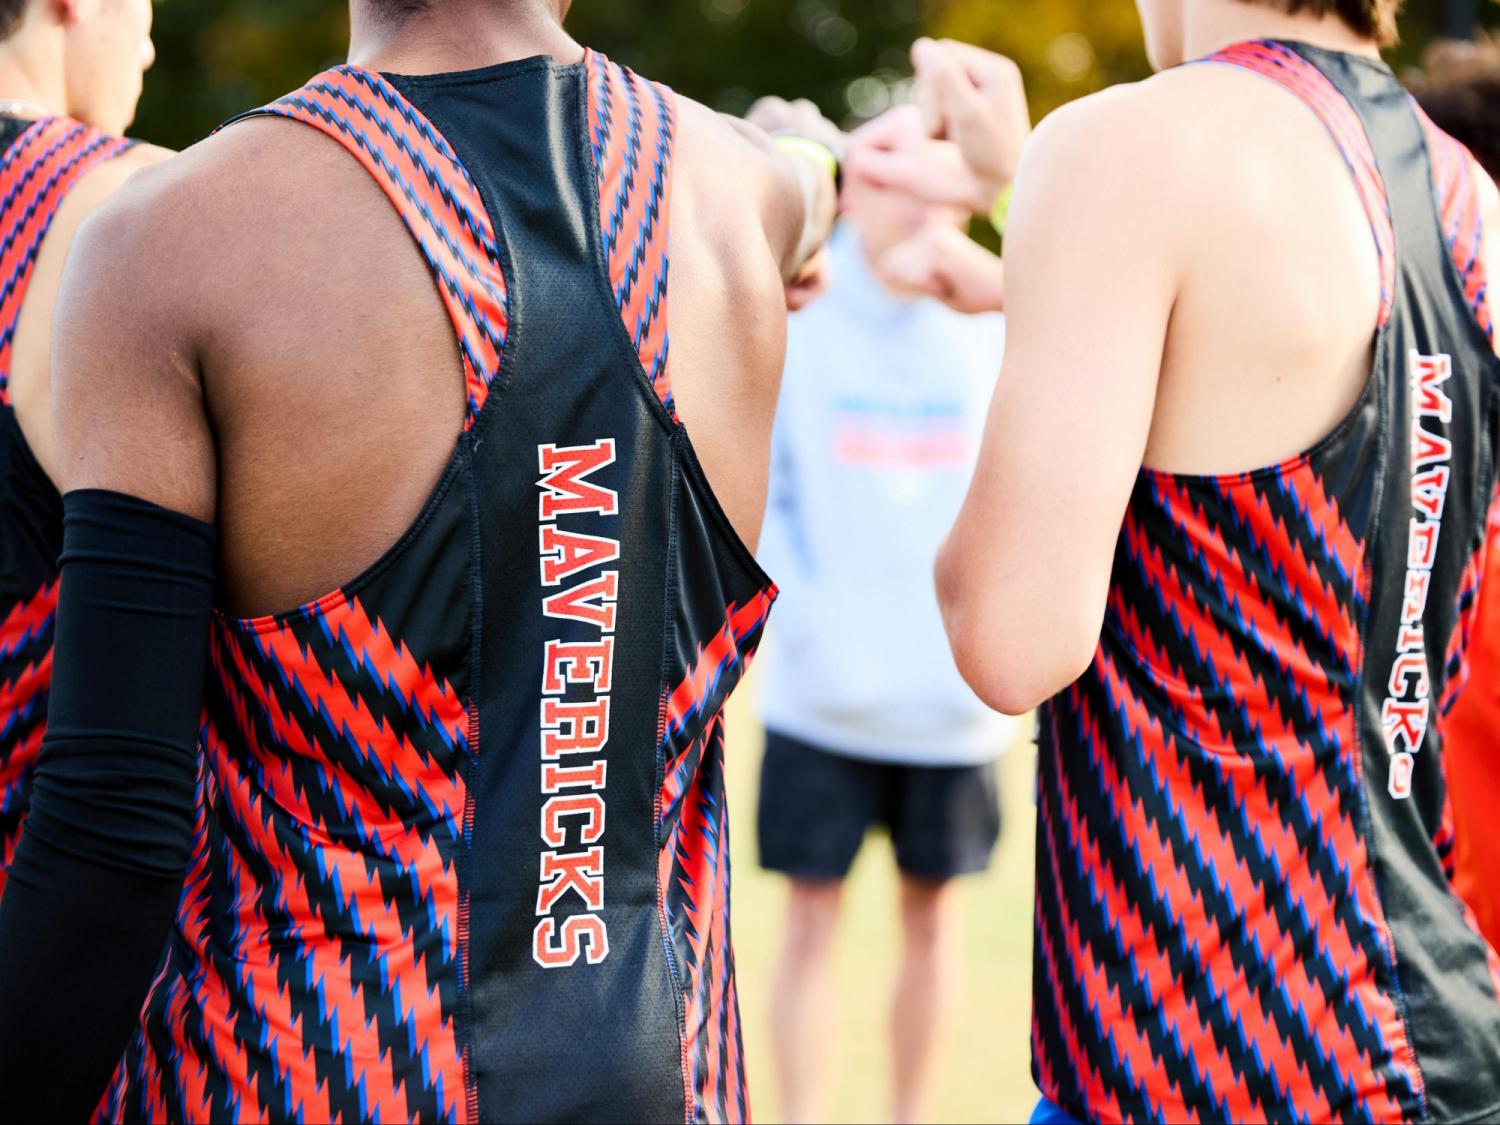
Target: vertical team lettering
(1407, 708)
(577, 677)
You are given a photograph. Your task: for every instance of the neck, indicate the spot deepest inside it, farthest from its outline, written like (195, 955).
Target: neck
(457, 35)
(31, 72)
(1212, 25)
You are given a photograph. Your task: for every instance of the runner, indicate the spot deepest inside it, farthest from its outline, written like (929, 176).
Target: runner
(867, 720)
(1242, 910)
(460, 850)
(70, 76)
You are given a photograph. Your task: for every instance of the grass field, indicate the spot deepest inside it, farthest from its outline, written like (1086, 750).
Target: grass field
(987, 1076)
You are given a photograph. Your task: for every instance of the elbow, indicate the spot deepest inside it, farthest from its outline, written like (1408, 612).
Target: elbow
(1012, 657)
(1015, 681)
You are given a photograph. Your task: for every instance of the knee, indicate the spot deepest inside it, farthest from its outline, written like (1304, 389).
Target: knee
(812, 917)
(929, 918)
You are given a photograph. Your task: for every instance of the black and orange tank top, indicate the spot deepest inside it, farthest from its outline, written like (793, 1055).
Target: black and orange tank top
(41, 162)
(462, 852)
(1244, 905)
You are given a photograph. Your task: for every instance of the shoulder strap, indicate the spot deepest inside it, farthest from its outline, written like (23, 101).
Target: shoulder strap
(1295, 73)
(36, 174)
(1462, 218)
(435, 196)
(632, 125)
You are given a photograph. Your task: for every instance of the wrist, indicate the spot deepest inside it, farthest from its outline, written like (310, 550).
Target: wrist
(999, 212)
(816, 152)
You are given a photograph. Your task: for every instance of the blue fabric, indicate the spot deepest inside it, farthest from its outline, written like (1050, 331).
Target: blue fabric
(1050, 1113)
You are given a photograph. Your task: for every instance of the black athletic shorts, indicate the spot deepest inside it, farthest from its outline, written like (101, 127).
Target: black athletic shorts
(816, 806)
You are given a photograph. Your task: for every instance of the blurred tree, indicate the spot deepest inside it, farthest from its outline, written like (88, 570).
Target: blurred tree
(850, 56)
(1069, 48)
(727, 52)
(217, 59)
(1066, 48)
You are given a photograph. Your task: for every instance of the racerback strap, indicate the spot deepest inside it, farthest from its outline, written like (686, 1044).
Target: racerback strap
(632, 132)
(1454, 181)
(632, 126)
(435, 197)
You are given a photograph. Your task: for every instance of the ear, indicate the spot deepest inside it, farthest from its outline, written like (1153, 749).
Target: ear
(71, 13)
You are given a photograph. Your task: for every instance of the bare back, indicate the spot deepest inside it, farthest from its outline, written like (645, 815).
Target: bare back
(328, 372)
(1271, 338)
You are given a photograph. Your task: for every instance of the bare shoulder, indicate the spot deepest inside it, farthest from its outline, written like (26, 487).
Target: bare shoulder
(724, 157)
(705, 135)
(1489, 201)
(1119, 157)
(194, 228)
(730, 207)
(96, 186)
(1171, 122)
(1183, 146)
(129, 225)
(103, 180)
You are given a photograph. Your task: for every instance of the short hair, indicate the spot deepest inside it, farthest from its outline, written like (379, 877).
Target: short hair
(1373, 19)
(11, 13)
(1459, 89)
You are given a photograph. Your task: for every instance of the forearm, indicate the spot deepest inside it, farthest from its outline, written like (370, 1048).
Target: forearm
(819, 211)
(804, 203)
(97, 876)
(1016, 639)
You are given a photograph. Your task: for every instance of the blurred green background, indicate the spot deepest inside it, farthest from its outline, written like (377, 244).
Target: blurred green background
(218, 57)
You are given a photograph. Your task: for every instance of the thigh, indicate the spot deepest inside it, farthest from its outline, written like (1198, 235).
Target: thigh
(947, 820)
(814, 809)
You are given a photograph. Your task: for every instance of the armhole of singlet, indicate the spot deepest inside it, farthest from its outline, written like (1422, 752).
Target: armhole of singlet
(632, 135)
(1312, 88)
(434, 195)
(1461, 216)
(441, 208)
(57, 152)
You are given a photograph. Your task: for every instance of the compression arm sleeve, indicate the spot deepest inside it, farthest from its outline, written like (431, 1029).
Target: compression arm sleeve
(94, 886)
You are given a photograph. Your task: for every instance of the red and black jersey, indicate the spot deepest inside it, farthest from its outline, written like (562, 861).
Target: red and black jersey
(1244, 908)
(42, 162)
(462, 852)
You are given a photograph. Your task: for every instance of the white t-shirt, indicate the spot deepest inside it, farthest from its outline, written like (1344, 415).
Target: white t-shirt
(878, 430)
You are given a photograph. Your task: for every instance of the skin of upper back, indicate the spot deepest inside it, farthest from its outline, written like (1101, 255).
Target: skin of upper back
(1270, 340)
(304, 384)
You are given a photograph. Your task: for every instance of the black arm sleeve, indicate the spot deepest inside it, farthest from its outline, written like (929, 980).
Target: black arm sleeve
(94, 886)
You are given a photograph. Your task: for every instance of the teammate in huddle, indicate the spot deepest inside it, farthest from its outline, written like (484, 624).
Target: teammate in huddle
(1226, 529)
(376, 458)
(70, 76)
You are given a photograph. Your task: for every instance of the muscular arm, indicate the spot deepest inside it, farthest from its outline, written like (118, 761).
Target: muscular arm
(1091, 278)
(798, 202)
(794, 198)
(740, 223)
(98, 873)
